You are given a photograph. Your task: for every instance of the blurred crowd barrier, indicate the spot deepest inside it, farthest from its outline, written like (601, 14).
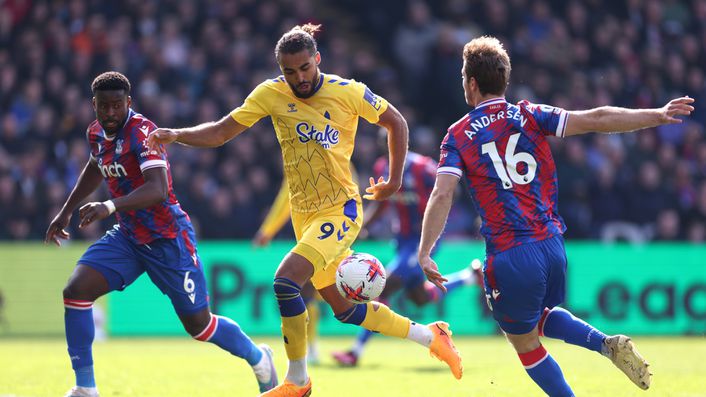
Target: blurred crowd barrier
(618, 288)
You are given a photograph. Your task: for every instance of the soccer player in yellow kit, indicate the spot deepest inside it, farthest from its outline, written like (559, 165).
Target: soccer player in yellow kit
(315, 116)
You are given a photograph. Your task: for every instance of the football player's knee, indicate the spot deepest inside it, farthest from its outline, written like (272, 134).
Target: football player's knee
(74, 290)
(354, 315)
(288, 295)
(523, 343)
(196, 325)
(68, 292)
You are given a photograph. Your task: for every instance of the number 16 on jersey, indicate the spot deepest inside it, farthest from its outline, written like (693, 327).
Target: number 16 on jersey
(507, 171)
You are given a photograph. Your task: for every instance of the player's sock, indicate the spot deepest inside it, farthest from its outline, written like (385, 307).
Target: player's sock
(545, 372)
(559, 323)
(376, 317)
(420, 334)
(312, 328)
(380, 318)
(360, 341)
(226, 334)
(80, 331)
(294, 318)
(355, 315)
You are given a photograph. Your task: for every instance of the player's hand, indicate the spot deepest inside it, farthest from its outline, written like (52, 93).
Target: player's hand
(261, 240)
(676, 107)
(56, 232)
(431, 270)
(381, 190)
(159, 137)
(92, 212)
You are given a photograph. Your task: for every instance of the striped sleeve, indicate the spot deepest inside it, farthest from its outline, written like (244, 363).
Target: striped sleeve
(450, 162)
(145, 157)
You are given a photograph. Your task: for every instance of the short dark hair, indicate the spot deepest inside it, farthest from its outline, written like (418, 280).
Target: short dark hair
(300, 37)
(488, 63)
(111, 81)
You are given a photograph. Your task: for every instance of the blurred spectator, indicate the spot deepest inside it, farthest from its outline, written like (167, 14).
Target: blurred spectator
(667, 228)
(194, 61)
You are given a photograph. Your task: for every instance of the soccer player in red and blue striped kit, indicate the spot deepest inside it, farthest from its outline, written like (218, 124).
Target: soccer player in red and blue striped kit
(501, 150)
(153, 235)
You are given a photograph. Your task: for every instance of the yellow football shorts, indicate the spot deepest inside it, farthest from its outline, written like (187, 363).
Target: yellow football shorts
(325, 238)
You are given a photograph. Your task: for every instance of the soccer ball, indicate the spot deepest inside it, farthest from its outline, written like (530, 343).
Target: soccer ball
(360, 278)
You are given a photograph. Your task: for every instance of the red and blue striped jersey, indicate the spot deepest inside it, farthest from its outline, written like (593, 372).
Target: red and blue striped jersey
(502, 150)
(411, 200)
(122, 158)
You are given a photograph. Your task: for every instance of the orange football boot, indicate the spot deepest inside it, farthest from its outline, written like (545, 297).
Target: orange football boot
(289, 389)
(443, 348)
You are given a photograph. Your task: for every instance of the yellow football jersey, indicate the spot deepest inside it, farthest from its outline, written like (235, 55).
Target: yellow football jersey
(316, 134)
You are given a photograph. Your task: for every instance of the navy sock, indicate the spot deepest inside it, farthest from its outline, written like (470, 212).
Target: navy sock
(354, 315)
(226, 334)
(545, 372)
(80, 331)
(559, 323)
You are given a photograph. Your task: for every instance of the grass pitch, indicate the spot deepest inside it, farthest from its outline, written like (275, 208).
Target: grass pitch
(182, 367)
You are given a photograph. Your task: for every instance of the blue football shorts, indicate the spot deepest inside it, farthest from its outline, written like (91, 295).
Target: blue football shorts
(405, 265)
(173, 266)
(521, 281)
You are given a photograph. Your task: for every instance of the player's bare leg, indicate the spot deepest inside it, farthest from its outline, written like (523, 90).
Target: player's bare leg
(293, 272)
(377, 317)
(84, 286)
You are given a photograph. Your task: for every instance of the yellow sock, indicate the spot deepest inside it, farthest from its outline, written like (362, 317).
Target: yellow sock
(312, 327)
(294, 333)
(382, 319)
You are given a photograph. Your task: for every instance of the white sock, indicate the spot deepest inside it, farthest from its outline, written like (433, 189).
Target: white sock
(262, 368)
(420, 334)
(296, 373)
(358, 347)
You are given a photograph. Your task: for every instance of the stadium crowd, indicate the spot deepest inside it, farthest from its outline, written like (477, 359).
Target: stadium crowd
(192, 62)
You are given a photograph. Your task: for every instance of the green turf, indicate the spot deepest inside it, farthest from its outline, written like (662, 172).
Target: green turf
(181, 367)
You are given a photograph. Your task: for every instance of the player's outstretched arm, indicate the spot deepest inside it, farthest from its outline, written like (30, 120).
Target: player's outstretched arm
(211, 134)
(435, 216)
(609, 119)
(153, 191)
(87, 183)
(397, 138)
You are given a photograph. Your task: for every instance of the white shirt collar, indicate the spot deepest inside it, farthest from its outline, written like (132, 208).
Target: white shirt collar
(491, 101)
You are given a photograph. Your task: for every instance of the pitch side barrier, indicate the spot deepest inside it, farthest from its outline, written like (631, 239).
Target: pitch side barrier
(655, 289)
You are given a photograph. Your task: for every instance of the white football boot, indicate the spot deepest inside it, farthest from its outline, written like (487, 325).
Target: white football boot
(265, 371)
(79, 391)
(622, 352)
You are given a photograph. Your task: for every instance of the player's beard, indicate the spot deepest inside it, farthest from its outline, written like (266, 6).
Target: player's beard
(314, 82)
(113, 128)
